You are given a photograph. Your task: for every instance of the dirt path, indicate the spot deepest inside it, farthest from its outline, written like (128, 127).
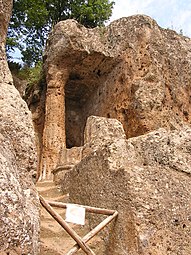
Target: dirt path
(54, 239)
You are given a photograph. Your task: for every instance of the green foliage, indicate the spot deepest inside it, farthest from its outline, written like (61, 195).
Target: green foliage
(35, 77)
(31, 74)
(181, 32)
(35, 73)
(92, 13)
(32, 20)
(14, 67)
(11, 43)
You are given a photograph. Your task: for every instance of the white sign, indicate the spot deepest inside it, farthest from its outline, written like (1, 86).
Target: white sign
(75, 214)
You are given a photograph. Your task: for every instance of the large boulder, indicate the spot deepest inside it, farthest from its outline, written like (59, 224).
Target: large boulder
(147, 179)
(19, 214)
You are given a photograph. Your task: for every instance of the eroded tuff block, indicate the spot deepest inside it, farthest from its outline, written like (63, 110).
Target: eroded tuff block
(19, 215)
(95, 135)
(5, 13)
(131, 70)
(147, 180)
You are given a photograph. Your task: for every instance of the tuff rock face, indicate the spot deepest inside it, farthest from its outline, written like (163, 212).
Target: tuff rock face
(132, 70)
(19, 216)
(146, 179)
(5, 12)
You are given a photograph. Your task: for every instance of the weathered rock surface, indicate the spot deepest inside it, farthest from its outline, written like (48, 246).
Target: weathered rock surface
(95, 134)
(53, 137)
(20, 84)
(132, 70)
(67, 159)
(19, 216)
(5, 12)
(147, 180)
(35, 97)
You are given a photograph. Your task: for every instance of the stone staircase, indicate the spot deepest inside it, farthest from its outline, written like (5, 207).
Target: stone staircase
(54, 239)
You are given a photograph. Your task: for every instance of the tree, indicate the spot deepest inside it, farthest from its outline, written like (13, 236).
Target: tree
(32, 20)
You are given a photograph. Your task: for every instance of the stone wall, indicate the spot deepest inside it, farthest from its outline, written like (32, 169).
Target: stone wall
(132, 70)
(19, 215)
(146, 179)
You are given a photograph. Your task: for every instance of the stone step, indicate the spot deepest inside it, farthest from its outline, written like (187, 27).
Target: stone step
(63, 246)
(52, 230)
(60, 239)
(43, 188)
(50, 193)
(54, 239)
(62, 198)
(47, 217)
(45, 250)
(44, 184)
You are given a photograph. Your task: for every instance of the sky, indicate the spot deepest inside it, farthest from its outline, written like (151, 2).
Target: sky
(173, 14)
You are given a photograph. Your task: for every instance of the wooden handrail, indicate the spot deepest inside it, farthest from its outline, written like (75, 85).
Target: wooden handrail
(93, 232)
(89, 209)
(69, 230)
(80, 242)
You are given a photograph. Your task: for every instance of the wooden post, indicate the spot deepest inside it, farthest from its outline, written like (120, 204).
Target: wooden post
(93, 232)
(69, 230)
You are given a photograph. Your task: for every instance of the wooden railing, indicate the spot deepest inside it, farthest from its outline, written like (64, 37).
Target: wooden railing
(80, 242)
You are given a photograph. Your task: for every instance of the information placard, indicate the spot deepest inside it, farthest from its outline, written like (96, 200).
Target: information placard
(75, 214)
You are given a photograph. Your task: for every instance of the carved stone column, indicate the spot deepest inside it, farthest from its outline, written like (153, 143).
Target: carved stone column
(54, 126)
